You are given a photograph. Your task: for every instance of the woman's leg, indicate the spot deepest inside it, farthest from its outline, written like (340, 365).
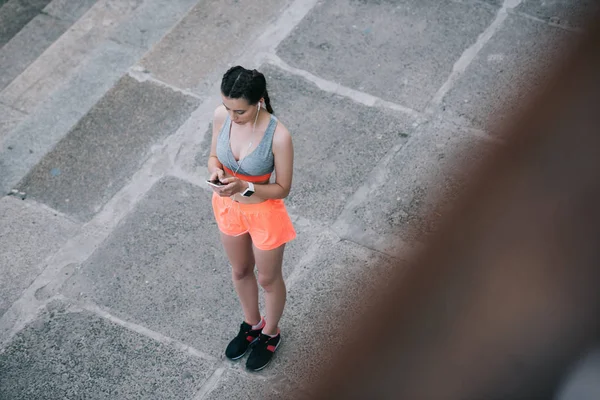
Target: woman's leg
(270, 277)
(241, 257)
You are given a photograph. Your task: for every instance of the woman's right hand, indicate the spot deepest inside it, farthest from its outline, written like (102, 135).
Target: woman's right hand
(217, 174)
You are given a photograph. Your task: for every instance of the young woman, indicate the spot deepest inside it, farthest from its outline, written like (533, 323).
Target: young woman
(248, 144)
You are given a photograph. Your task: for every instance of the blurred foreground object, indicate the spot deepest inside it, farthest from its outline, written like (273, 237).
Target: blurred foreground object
(505, 299)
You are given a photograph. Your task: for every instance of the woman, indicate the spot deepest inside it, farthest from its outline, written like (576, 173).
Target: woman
(248, 144)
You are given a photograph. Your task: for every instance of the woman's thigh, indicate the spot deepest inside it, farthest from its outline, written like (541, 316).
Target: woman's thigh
(269, 263)
(239, 251)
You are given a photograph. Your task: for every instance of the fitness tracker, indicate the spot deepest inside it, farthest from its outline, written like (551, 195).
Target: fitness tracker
(250, 191)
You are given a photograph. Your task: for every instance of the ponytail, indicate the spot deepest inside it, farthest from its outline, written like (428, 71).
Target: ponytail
(268, 102)
(259, 79)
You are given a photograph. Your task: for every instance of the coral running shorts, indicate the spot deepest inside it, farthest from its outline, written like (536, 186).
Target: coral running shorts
(268, 223)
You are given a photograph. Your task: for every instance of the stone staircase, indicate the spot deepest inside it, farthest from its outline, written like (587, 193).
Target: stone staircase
(62, 58)
(113, 283)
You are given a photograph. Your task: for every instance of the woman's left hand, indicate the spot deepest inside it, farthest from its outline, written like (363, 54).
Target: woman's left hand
(232, 186)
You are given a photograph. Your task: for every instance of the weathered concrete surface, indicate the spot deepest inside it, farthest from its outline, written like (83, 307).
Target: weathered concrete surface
(166, 269)
(507, 70)
(151, 21)
(74, 354)
(568, 13)
(10, 119)
(35, 37)
(37, 134)
(323, 296)
(54, 67)
(75, 72)
(402, 51)
(497, 3)
(68, 10)
(15, 14)
(27, 45)
(28, 234)
(391, 208)
(236, 383)
(110, 143)
(335, 150)
(207, 40)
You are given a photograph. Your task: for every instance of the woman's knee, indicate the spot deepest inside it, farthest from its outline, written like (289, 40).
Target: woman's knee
(268, 281)
(239, 272)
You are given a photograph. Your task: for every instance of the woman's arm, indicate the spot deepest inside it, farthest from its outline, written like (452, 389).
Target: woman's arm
(215, 168)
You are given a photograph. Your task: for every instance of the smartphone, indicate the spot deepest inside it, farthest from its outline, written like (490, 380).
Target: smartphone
(216, 183)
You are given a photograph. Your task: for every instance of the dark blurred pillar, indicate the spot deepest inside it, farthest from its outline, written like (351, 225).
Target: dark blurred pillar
(506, 297)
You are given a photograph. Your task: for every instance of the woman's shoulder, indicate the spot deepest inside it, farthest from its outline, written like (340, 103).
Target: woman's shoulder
(282, 135)
(220, 115)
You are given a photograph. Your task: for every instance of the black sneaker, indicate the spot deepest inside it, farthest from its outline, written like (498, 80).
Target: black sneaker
(239, 345)
(263, 351)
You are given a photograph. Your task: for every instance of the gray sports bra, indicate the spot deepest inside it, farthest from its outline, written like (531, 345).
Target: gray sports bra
(258, 163)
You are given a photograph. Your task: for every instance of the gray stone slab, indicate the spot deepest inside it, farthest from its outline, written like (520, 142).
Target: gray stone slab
(336, 142)
(569, 13)
(85, 38)
(334, 291)
(151, 21)
(496, 3)
(106, 23)
(93, 162)
(240, 385)
(75, 355)
(27, 45)
(402, 51)
(9, 118)
(165, 268)
(28, 235)
(508, 69)
(68, 79)
(15, 14)
(186, 57)
(68, 10)
(421, 180)
(38, 133)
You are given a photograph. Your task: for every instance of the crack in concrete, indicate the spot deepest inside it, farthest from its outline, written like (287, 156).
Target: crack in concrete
(75, 305)
(141, 75)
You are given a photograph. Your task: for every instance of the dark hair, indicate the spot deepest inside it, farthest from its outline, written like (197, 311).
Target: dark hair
(239, 82)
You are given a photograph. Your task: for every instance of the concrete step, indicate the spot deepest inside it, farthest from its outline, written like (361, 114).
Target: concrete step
(30, 233)
(55, 65)
(44, 54)
(37, 35)
(15, 14)
(56, 90)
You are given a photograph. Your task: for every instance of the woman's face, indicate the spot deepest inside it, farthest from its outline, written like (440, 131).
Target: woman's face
(239, 110)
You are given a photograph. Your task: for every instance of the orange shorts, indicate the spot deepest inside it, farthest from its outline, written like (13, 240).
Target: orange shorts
(268, 223)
